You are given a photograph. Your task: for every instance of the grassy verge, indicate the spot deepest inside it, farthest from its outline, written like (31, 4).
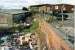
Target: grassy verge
(33, 27)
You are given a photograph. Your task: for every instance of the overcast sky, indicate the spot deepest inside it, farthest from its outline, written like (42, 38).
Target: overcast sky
(18, 4)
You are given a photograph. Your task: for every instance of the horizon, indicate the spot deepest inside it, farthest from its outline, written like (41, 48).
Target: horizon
(18, 4)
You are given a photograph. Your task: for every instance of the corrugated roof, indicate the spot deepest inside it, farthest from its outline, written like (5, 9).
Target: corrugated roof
(49, 5)
(12, 11)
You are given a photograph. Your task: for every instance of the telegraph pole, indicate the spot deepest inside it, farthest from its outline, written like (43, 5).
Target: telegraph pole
(61, 10)
(62, 6)
(62, 23)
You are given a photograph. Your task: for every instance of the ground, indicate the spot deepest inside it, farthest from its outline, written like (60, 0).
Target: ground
(50, 35)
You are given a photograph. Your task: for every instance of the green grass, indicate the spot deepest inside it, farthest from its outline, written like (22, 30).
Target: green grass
(33, 27)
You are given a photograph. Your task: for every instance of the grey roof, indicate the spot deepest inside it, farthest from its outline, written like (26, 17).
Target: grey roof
(12, 11)
(49, 5)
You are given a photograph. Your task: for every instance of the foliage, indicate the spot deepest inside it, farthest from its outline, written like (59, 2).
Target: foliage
(24, 8)
(33, 27)
(1, 41)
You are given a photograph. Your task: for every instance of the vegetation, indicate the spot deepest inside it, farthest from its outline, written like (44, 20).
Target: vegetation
(32, 28)
(1, 41)
(24, 8)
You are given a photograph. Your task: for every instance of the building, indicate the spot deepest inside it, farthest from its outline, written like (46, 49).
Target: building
(49, 8)
(8, 17)
(11, 19)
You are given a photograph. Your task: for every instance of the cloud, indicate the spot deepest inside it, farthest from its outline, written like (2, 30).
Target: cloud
(18, 4)
(69, 2)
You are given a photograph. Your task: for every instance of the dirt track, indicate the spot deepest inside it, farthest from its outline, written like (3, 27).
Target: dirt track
(54, 42)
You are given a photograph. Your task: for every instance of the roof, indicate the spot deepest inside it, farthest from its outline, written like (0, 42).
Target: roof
(40, 5)
(49, 5)
(12, 11)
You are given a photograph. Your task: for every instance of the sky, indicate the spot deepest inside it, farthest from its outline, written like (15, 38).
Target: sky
(18, 4)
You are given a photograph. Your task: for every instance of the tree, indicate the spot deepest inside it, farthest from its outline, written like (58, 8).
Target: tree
(24, 8)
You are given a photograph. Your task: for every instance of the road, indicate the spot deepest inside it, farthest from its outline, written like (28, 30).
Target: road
(54, 41)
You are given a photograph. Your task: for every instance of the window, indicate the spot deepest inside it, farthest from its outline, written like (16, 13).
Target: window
(72, 9)
(56, 7)
(48, 9)
(64, 8)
